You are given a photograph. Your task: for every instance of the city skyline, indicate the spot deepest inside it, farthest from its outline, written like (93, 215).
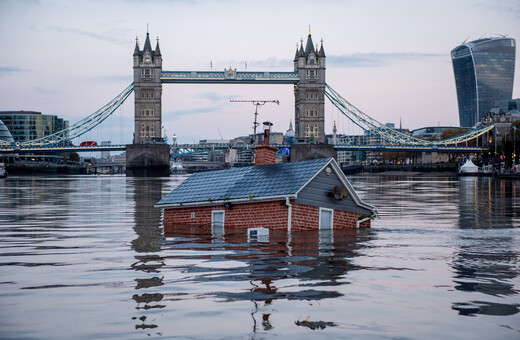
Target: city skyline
(389, 60)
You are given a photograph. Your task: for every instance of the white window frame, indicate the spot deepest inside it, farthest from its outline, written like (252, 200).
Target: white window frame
(331, 217)
(220, 234)
(326, 235)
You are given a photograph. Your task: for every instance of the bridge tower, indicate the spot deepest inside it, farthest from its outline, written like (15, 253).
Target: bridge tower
(309, 93)
(147, 156)
(147, 92)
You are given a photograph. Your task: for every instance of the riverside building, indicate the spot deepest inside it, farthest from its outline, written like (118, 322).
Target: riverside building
(484, 73)
(29, 125)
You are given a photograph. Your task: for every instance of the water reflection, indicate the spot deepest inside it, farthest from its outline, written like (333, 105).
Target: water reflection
(486, 264)
(312, 266)
(147, 191)
(90, 251)
(486, 202)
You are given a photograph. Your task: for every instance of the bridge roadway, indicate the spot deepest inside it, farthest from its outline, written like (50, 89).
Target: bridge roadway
(204, 147)
(228, 77)
(61, 148)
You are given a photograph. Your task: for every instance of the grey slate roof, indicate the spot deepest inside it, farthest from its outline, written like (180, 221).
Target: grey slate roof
(253, 181)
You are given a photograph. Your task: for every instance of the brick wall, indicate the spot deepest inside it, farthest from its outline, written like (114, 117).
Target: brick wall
(270, 215)
(265, 154)
(306, 217)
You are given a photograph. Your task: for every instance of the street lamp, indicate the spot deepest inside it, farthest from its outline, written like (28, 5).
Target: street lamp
(514, 143)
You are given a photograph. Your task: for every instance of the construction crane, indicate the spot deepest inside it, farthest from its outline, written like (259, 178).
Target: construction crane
(257, 103)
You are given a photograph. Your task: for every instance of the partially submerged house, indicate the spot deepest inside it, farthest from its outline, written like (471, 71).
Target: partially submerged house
(312, 194)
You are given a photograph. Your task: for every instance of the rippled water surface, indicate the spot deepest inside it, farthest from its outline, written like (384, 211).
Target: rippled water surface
(87, 257)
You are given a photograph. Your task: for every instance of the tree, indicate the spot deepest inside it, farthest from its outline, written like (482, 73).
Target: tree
(74, 156)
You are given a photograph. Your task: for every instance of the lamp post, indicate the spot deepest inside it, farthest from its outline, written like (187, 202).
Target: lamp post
(514, 143)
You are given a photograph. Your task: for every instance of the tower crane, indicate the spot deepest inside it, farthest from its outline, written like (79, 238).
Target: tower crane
(257, 103)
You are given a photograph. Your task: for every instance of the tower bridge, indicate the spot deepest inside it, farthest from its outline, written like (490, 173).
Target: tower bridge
(308, 79)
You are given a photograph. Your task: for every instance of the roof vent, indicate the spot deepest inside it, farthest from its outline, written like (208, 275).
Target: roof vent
(338, 192)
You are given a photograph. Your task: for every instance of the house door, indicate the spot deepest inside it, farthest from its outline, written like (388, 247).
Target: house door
(326, 230)
(217, 225)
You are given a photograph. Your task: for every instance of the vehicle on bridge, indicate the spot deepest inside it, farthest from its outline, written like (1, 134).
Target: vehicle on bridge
(88, 143)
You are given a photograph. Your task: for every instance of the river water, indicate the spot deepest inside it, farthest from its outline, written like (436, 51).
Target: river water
(87, 257)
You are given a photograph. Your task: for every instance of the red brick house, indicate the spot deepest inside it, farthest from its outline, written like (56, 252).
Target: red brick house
(312, 194)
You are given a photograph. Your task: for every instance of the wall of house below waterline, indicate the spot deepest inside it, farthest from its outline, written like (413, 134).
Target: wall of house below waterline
(271, 215)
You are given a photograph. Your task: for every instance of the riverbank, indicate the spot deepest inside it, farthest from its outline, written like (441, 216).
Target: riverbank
(45, 169)
(435, 167)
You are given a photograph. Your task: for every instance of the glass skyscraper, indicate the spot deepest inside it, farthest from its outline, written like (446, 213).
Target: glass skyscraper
(484, 72)
(29, 125)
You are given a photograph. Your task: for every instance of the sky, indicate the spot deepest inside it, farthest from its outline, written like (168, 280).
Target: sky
(391, 59)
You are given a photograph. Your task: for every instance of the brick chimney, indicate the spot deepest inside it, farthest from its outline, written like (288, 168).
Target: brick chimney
(265, 154)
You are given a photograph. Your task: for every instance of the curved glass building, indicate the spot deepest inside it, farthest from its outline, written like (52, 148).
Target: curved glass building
(5, 135)
(484, 72)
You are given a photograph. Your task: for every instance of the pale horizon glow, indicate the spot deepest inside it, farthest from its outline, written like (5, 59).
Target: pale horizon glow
(389, 59)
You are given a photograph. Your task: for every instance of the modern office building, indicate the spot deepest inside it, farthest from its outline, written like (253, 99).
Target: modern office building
(484, 72)
(5, 135)
(29, 125)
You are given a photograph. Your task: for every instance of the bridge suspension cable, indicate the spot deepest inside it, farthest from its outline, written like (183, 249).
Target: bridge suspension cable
(84, 125)
(388, 134)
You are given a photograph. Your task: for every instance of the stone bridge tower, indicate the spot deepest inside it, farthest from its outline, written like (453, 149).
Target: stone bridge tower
(145, 157)
(310, 93)
(147, 92)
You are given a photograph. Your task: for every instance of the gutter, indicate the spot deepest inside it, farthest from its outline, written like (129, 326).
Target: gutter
(289, 213)
(219, 202)
(358, 222)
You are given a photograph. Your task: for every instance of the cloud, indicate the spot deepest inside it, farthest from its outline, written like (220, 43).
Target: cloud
(41, 90)
(9, 70)
(98, 36)
(375, 59)
(511, 8)
(216, 97)
(191, 112)
(125, 79)
(270, 63)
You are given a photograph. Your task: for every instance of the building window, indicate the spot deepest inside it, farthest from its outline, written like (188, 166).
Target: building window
(217, 224)
(326, 218)
(146, 72)
(312, 74)
(311, 113)
(147, 130)
(311, 130)
(312, 95)
(147, 112)
(147, 94)
(326, 232)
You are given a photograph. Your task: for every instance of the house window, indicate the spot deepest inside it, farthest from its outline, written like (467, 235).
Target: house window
(217, 224)
(326, 218)
(326, 232)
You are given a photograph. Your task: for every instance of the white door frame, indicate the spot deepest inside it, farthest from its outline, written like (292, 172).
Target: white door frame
(331, 217)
